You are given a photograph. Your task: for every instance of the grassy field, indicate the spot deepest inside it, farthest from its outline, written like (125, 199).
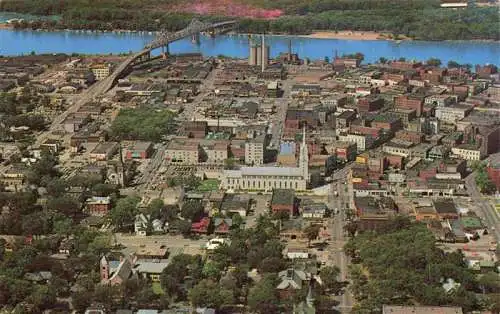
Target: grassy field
(209, 185)
(156, 286)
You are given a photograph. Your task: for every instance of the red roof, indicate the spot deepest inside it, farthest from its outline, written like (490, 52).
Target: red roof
(201, 226)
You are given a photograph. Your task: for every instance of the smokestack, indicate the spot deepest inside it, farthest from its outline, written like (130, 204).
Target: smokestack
(289, 50)
(263, 53)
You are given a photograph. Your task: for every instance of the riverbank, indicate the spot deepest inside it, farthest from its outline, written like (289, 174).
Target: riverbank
(354, 35)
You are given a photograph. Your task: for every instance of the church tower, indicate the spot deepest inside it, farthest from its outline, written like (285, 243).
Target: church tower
(304, 156)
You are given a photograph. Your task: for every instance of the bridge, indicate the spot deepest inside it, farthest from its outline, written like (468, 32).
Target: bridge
(162, 40)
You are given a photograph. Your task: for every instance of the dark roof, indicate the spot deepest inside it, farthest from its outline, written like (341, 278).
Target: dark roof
(283, 197)
(445, 206)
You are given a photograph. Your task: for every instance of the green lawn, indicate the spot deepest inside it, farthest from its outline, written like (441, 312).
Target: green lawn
(157, 288)
(209, 185)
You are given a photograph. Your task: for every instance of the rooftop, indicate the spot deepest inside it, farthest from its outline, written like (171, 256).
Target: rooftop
(397, 309)
(283, 197)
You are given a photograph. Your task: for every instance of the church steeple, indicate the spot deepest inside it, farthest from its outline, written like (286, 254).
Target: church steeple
(304, 156)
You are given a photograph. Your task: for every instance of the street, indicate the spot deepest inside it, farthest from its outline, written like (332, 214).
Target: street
(336, 252)
(489, 215)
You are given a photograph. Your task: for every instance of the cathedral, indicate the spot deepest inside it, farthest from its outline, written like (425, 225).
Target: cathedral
(268, 178)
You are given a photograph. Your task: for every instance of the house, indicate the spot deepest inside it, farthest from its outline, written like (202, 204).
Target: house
(96, 309)
(413, 309)
(292, 281)
(40, 277)
(98, 206)
(201, 226)
(235, 204)
(115, 272)
(292, 229)
(143, 222)
(283, 200)
(313, 210)
(222, 225)
(297, 252)
(150, 269)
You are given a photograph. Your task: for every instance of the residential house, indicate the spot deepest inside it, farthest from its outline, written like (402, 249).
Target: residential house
(222, 225)
(292, 281)
(414, 309)
(201, 227)
(98, 206)
(235, 204)
(142, 223)
(151, 270)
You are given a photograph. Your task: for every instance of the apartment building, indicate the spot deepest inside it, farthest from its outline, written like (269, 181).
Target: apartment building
(254, 152)
(182, 152)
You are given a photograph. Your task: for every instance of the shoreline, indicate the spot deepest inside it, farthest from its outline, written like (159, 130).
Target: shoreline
(354, 35)
(317, 34)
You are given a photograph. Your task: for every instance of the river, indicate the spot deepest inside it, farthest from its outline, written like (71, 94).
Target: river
(16, 42)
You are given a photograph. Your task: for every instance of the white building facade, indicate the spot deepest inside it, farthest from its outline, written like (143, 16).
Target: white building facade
(268, 178)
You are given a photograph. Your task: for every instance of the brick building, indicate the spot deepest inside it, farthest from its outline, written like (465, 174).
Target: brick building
(406, 102)
(414, 137)
(196, 129)
(370, 103)
(283, 200)
(387, 122)
(493, 170)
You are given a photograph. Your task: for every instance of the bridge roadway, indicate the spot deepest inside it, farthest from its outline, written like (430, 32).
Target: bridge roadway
(104, 85)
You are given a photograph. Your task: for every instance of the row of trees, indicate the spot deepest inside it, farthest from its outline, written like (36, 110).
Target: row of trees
(421, 24)
(401, 264)
(417, 19)
(483, 181)
(142, 124)
(222, 280)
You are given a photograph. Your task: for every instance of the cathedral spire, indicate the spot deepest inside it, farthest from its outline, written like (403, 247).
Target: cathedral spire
(304, 156)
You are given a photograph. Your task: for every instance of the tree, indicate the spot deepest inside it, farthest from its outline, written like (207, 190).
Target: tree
(42, 298)
(62, 225)
(230, 164)
(81, 300)
(173, 275)
(329, 275)
(124, 212)
(237, 220)
(434, 62)
(104, 189)
(2, 249)
(490, 282)
(155, 207)
(192, 210)
(351, 227)
(327, 59)
(64, 205)
(212, 270)
(382, 60)
(208, 293)
(263, 298)
(272, 264)
(184, 227)
(312, 233)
